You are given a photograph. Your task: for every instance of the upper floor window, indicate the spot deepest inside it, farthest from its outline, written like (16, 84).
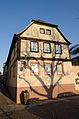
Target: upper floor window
(47, 48)
(58, 48)
(48, 68)
(42, 31)
(34, 46)
(59, 68)
(48, 32)
(35, 68)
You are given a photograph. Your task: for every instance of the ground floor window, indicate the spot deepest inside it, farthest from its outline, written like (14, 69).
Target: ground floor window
(48, 68)
(60, 68)
(34, 68)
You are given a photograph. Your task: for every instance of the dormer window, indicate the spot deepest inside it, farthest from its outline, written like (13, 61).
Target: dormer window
(58, 49)
(42, 31)
(48, 32)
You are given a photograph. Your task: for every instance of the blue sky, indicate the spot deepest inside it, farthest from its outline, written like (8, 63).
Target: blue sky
(15, 15)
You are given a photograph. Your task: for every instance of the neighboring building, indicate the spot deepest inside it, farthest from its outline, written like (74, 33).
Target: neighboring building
(5, 72)
(75, 65)
(74, 53)
(39, 61)
(1, 76)
(75, 61)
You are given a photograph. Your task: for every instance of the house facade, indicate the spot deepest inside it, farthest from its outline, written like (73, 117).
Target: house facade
(39, 61)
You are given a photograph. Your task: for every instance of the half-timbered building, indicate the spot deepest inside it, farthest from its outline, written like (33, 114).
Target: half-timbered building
(39, 61)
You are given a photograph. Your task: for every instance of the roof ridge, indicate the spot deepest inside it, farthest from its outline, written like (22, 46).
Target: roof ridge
(43, 22)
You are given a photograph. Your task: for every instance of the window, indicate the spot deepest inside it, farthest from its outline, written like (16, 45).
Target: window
(35, 68)
(42, 31)
(10, 73)
(59, 69)
(47, 48)
(78, 74)
(14, 71)
(48, 32)
(48, 68)
(77, 80)
(58, 49)
(34, 46)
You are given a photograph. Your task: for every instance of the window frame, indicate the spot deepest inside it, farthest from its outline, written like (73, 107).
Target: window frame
(51, 68)
(49, 47)
(77, 81)
(62, 69)
(10, 71)
(42, 29)
(37, 46)
(31, 73)
(14, 70)
(48, 30)
(60, 49)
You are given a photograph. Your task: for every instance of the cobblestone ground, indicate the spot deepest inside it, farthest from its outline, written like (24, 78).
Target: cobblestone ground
(67, 108)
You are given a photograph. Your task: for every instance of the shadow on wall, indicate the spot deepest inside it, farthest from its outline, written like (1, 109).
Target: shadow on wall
(48, 90)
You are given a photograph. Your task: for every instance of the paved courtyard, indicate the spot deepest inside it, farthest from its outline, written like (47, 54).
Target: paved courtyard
(65, 108)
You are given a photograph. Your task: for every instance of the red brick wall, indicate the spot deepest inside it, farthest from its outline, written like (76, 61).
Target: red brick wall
(64, 88)
(41, 92)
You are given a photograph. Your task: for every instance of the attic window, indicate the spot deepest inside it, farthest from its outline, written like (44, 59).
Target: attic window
(42, 31)
(48, 32)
